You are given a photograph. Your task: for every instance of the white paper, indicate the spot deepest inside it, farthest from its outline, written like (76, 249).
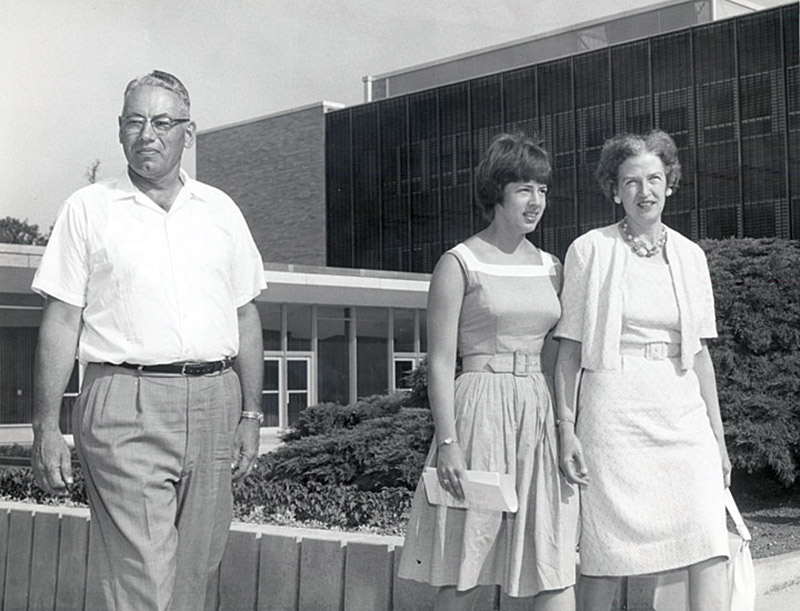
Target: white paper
(482, 490)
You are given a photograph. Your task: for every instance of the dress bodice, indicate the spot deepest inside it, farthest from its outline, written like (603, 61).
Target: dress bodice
(506, 307)
(649, 305)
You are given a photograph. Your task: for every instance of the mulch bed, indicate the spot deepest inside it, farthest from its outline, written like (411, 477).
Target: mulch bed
(771, 512)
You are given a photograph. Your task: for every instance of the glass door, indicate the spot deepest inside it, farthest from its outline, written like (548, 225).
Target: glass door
(298, 376)
(286, 392)
(271, 393)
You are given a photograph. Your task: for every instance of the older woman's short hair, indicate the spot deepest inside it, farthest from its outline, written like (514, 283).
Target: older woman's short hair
(165, 80)
(510, 158)
(621, 147)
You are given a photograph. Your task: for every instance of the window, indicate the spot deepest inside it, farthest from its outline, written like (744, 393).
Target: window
(298, 327)
(402, 367)
(271, 393)
(410, 343)
(298, 383)
(333, 354)
(372, 350)
(270, 325)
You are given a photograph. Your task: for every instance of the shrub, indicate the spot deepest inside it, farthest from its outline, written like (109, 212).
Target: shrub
(329, 417)
(757, 354)
(417, 381)
(382, 452)
(18, 484)
(327, 505)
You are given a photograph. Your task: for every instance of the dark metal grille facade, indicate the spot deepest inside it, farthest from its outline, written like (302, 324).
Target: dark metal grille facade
(400, 171)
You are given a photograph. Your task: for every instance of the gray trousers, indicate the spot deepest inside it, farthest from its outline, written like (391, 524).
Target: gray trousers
(156, 454)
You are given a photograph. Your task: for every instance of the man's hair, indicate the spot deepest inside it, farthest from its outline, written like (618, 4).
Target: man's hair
(621, 147)
(165, 80)
(510, 158)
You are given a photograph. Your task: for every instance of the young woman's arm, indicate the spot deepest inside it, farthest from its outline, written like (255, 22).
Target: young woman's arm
(445, 296)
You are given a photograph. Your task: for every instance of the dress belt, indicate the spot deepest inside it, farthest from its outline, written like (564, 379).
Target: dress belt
(189, 368)
(654, 351)
(519, 362)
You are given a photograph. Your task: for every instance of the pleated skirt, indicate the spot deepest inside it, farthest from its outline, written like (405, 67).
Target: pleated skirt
(504, 423)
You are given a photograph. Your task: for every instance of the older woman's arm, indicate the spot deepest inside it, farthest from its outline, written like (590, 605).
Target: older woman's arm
(568, 369)
(704, 368)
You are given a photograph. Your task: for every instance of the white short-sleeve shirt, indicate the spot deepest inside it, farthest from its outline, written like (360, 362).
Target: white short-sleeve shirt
(155, 286)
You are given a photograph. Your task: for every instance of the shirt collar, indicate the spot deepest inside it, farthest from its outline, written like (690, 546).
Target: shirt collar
(125, 189)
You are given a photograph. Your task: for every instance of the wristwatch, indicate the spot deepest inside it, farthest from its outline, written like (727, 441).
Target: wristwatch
(252, 416)
(447, 442)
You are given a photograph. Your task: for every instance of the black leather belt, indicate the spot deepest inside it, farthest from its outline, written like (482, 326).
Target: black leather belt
(190, 368)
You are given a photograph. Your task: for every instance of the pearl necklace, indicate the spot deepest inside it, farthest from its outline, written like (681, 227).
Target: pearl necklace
(637, 244)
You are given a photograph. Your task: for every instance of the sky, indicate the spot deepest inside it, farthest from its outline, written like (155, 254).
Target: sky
(66, 63)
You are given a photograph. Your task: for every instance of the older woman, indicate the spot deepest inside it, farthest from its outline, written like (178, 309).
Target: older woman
(494, 300)
(648, 448)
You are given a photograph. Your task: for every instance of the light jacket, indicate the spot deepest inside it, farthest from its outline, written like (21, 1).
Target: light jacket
(591, 298)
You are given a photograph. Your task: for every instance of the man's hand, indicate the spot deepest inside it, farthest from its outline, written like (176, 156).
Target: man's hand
(52, 468)
(245, 447)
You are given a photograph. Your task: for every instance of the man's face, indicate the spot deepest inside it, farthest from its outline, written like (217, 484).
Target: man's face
(154, 153)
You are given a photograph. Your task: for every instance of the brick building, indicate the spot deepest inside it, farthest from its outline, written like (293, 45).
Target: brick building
(274, 169)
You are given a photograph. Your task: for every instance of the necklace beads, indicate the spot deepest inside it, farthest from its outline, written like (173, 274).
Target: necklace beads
(638, 246)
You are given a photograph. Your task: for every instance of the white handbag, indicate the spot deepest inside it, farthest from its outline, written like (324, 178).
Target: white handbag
(741, 576)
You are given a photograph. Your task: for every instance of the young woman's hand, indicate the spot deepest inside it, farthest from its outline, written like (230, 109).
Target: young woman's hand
(450, 467)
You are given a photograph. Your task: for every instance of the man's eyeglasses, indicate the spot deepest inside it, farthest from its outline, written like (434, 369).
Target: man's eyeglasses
(161, 125)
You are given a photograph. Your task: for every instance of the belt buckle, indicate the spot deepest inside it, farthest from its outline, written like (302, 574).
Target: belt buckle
(521, 362)
(192, 368)
(655, 351)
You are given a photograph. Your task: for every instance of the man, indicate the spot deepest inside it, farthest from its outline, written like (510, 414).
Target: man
(152, 277)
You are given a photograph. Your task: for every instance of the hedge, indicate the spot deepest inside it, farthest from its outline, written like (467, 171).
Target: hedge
(757, 355)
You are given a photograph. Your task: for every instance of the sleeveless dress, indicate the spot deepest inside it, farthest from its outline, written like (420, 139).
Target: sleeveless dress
(505, 423)
(655, 496)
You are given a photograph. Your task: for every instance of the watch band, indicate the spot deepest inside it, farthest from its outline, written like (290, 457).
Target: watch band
(252, 416)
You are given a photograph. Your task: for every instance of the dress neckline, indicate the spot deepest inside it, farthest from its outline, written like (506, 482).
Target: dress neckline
(545, 257)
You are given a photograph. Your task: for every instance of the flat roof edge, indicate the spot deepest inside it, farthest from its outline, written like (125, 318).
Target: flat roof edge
(324, 104)
(543, 35)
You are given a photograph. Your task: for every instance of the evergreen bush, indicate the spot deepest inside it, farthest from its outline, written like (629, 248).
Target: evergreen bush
(757, 354)
(379, 452)
(330, 417)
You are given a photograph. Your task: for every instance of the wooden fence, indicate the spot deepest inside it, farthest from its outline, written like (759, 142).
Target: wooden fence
(47, 563)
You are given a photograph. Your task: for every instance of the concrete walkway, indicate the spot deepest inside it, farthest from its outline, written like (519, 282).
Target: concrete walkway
(778, 582)
(787, 599)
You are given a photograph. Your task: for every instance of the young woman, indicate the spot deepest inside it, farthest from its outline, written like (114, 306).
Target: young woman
(493, 300)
